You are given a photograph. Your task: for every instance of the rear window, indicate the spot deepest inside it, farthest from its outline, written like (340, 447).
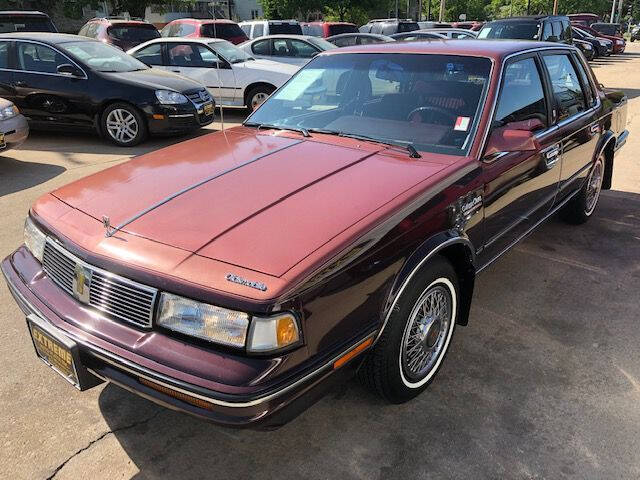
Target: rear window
(221, 30)
(339, 29)
(511, 30)
(285, 28)
(134, 33)
(407, 27)
(23, 23)
(606, 28)
(314, 30)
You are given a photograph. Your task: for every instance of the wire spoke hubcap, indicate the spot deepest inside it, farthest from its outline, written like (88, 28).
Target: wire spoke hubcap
(122, 125)
(594, 185)
(426, 332)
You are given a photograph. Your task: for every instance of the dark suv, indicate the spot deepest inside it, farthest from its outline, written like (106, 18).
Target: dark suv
(17, 21)
(547, 28)
(389, 26)
(124, 33)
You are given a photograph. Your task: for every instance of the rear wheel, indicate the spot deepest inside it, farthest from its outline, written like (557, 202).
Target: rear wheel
(580, 208)
(123, 124)
(416, 339)
(258, 95)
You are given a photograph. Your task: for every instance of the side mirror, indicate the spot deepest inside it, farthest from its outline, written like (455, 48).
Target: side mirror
(514, 137)
(68, 69)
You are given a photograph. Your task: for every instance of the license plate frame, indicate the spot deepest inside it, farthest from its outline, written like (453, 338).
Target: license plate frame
(60, 353)
(207, 109)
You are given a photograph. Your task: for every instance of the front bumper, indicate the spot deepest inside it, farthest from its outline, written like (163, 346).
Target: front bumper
(16, 131)
(174, 119)
(266, 408)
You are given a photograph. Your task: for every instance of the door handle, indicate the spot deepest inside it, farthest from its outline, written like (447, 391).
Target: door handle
(552, 156)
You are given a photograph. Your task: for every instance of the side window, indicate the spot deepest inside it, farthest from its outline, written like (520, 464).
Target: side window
(566, 85)
(586, 84)
(92, 31)
(258, 30)
(557, 31)
(363, 41)
(4, 54)
(521, 95)
(566, 30)
(261, 48)
(547, 32)
(191, 55)
(83, 31)
(301, 49)
(151, 55)
(280, 48)
(246, 29)
(185, 29)
(34, 57)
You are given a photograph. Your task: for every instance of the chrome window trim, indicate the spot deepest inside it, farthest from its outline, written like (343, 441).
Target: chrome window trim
(16, 40)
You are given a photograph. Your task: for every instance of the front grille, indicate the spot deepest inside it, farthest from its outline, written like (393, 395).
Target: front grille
(117, 296)
(196, 98)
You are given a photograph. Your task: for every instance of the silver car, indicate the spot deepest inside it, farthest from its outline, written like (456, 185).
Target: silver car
(13, 126)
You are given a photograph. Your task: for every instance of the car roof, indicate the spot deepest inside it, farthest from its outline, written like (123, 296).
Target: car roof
(26, 13)
(496, 49)
(284, 35)
(205, 40)
(526, 17)
(202, 21)
(46, 37)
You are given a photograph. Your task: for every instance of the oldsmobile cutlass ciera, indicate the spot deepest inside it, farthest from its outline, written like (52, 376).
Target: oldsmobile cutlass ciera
(340, 229)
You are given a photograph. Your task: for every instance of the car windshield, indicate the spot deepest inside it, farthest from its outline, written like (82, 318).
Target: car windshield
(607, 29)
(511, 30)
(134, 32)
(431, 104)
(23, 23)
(222, 30)
(102, 57)
(230, 52)
(321, 43)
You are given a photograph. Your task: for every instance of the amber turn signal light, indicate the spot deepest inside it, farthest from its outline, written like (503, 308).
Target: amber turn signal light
(353, 353)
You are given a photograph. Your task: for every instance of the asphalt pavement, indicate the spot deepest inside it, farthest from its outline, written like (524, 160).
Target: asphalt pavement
(543, 383)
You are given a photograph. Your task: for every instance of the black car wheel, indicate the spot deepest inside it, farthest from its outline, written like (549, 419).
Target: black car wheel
(416, 339)
(580, 208)
(257, 95)
(123, 124)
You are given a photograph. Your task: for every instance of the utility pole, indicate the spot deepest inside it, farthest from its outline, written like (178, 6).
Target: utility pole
(619, 12)
(396, 8)
(419, 10)
(441, 18)
(555, 7)
(613, 10)
(528, 6)
(429, 11)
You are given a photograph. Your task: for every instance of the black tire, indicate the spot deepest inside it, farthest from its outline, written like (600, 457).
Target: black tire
(581, 207)
(123, 124)
(385, 370)
(261, 93)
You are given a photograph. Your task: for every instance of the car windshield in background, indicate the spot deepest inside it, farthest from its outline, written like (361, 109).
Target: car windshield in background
(511, 30)
(285, 28)
(230, 52)
(133, 33)
(432, 104)
(221, 30)
(102, 57)
(10, 24)
(607, 29)
(407, 27)
(341, 28)
(321, 43)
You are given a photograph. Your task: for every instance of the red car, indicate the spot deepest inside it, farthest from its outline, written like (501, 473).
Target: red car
(196, 28)
(121, 32)
(235, 276)
(619, 43)
(328, 29)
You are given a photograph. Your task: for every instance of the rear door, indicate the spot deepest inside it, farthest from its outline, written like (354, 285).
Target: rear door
(574, 114)
(520, 186)
(7, 90)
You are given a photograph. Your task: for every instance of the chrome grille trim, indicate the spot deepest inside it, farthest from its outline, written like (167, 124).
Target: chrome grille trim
(112, 294)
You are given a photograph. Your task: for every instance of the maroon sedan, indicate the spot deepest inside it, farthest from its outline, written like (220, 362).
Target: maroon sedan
(340, 229)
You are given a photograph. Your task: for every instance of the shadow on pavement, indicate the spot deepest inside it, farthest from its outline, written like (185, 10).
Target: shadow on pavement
(538, 385)
(16, 175)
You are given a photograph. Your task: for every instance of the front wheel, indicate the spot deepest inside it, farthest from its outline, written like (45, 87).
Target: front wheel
(580, 208)
(257, 96)
(416, 339)
(123, 124)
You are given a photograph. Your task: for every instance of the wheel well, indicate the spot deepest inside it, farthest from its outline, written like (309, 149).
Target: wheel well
(608, 164)
(461, 258)
(255, 85)
(106, 105)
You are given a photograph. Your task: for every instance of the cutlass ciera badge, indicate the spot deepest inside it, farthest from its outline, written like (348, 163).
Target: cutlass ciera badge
(247, 283)
(81, 283)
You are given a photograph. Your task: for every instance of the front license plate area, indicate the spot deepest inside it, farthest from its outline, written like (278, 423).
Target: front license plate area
(3, 144)
(60, 353)
(208, 109)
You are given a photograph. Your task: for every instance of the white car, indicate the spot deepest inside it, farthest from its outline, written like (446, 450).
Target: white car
(233, 77)
(260, 28)
(291, 49)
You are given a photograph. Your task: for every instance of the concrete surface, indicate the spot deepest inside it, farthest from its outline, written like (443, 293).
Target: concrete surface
(543, 383)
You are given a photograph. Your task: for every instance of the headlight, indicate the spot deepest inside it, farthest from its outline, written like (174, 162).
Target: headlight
(168, 97)
(268, 334)
(619, 42)
(202, 320)
(8, 112)
(34, 239)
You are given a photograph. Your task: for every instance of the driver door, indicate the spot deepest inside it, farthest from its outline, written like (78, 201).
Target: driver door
(520, 187)
(200, 63)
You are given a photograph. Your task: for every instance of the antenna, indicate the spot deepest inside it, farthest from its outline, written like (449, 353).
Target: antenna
(215, 35)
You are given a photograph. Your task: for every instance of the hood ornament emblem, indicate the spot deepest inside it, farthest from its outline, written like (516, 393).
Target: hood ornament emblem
(106, 223)
(247, 283)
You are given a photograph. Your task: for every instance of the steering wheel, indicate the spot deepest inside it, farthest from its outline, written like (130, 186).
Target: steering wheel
(433, 110)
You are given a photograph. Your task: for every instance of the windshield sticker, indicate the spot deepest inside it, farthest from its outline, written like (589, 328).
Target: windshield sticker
(462, 124)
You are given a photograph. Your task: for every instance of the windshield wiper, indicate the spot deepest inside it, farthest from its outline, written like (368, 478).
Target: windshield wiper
(303, 131)
(413, 153)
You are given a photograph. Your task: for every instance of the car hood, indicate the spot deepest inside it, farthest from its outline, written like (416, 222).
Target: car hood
(270, 66)
(155, 79)
(262, 201)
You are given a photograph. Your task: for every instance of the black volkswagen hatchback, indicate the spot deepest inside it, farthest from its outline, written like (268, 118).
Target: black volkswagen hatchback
(71, 82)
